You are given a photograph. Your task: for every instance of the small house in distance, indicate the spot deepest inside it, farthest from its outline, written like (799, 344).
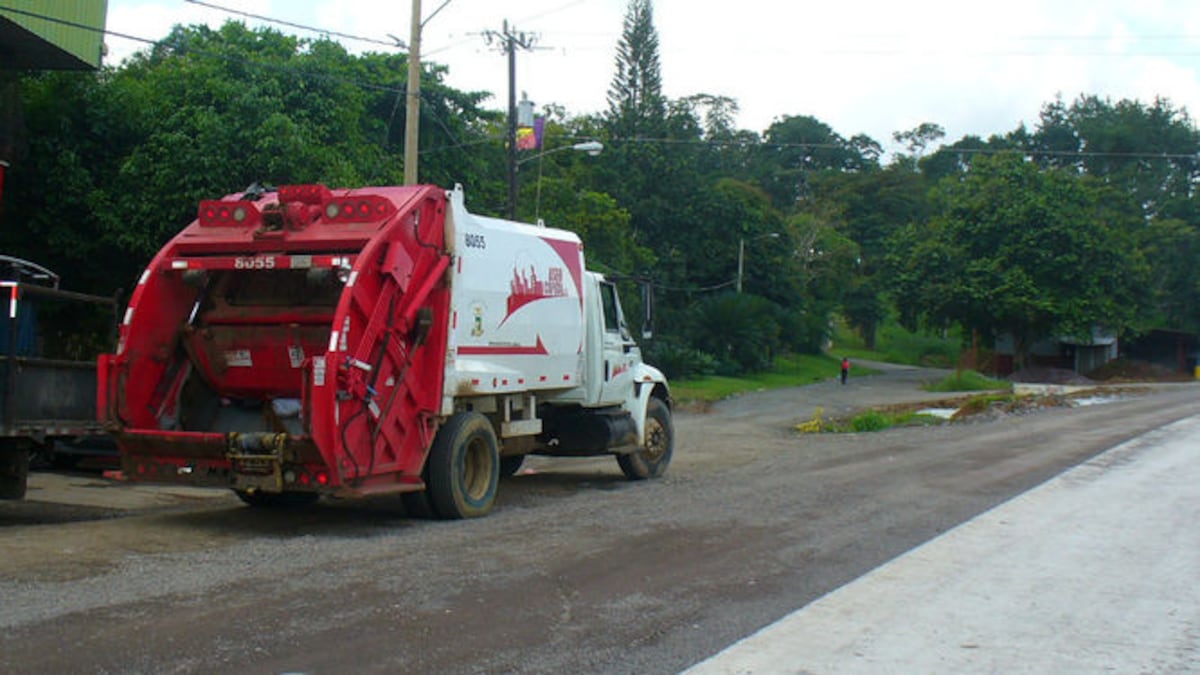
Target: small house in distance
(1068, 353)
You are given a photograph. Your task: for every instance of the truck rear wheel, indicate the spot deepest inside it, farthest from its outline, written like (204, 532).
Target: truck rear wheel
(464, 467)
(651, 460)
(418, 504)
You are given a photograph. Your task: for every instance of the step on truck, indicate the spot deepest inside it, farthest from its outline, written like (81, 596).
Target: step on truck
(304, 341)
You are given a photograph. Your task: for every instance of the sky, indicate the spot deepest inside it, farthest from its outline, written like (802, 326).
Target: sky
(873, 67)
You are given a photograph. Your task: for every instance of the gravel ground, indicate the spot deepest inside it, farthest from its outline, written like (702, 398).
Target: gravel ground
(577, 570)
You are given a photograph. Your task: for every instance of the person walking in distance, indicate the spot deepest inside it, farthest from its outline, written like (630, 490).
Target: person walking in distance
(845, 369)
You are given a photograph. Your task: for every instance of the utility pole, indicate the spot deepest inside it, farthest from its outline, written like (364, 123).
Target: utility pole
(412, 110)
(508, 41)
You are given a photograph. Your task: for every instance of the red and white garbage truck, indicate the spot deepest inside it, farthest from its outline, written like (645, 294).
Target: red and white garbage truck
(306, 341)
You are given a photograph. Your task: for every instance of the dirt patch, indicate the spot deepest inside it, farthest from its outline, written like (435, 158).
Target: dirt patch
(1043, 375)
(1124, 370)
(986, 407)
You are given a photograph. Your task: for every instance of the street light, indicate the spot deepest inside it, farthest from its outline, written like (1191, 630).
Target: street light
(592, 148)
(742, 254)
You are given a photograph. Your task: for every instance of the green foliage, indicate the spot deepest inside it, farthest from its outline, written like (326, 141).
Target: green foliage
(1118, 141)
(788, 371)
(917, 140)
(967, 380)
(983, 402)
(866, 421)
(1014, 249)
(796, 150)
(1053, 236)
(870, 420)
(897, 344)
(635, 101)
(740, 331)
(1173, 247)
(119, 160)
(679, 361)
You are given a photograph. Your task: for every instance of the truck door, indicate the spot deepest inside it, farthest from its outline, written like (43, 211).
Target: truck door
(619, 348)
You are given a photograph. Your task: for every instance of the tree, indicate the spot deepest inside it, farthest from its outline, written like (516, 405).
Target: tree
(796, 149)
(917, 141)
(1151, 151)
(1015, 249)
(1174, 247)
(636, 126)
(120, 159)
(867, 208)
(636, 105)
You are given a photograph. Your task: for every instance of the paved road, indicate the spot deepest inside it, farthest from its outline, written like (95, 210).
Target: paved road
(576, 571)
(1093, 571)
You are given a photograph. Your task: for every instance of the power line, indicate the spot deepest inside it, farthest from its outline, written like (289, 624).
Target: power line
(393, 43)
(527, 40)
(308, 75)
(1082, 154)
(73, 24)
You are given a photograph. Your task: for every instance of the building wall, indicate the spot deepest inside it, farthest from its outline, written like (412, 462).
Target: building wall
(38, 34)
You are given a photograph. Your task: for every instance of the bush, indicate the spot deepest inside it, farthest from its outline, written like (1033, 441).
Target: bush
(678, 361)
(967, 380)
(739, 330)
(804, 330)
(870, 420)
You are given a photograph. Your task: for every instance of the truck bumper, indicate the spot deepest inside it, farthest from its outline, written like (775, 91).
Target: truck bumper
(266, 462)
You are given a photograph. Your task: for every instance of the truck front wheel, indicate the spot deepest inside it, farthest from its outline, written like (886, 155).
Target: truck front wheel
(509, 466)
(464, 467)
(651, 460)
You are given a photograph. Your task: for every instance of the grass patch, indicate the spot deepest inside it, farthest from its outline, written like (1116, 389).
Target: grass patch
(967, 380)
(894, 344)
(983, 402)
(871, 420)
(792, 370)
(868, 420)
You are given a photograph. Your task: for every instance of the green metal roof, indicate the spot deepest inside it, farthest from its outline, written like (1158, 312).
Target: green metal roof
(51, 34)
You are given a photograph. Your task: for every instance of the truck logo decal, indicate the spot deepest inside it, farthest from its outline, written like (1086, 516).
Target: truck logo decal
(477, 320)
(526, 287)
(570, 253)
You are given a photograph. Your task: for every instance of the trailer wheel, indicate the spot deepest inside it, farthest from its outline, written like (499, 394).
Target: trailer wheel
(14, 469)
(651, 460)
(274, 500)
(509, 466)
(464, 467)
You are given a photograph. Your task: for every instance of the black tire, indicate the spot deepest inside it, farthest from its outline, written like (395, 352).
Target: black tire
(418, 505)
(14, 469)
(509, 466)
(277, 500)
(464, 467)
(652, 459)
